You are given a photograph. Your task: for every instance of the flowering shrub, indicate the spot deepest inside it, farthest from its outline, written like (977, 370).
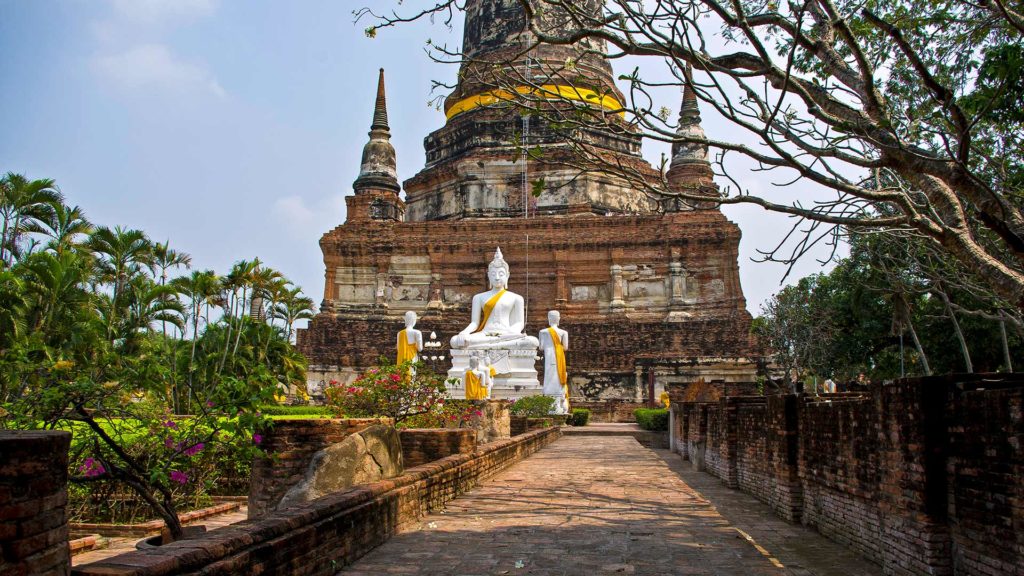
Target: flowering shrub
(533, 406)
(397, 391)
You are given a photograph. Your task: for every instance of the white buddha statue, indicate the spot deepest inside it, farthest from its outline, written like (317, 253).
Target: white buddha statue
(498, 316)
(409, 343)
(495, 340)
(555, 342)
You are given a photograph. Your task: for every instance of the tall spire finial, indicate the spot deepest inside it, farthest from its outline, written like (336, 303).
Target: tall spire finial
(689, 125)
(380, 108)
(378, 168)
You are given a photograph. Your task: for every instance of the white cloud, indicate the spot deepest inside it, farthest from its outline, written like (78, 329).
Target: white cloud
(154, 67)
(160, 11)
(304, 220)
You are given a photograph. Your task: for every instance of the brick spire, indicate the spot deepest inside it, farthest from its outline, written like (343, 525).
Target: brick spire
(378, 170)
(380, 108)
(690, 167)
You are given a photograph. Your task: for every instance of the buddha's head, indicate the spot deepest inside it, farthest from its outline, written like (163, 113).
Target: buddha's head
(410, 319)
(553, 318)
(474, 362)
(497, 271)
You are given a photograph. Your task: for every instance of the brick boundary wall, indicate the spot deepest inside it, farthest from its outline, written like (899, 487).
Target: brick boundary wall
(609, 410)
(321, 537)
(33, 497)
(423, 445)
(293, 443)
(922, 476)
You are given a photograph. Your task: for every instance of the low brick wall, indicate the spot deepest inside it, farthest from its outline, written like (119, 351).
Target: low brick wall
(610, 410)
(423, 445)
(33, 496)
(293, 444)
(922, 476)
(322, 536)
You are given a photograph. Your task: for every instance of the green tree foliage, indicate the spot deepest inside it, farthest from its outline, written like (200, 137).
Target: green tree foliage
(154, 375)
(886, 311)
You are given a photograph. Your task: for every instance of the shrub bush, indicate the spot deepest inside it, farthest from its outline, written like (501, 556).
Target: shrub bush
(397, 391)
(533, 406)
(652, 418)
(579, 417)
(274, 410)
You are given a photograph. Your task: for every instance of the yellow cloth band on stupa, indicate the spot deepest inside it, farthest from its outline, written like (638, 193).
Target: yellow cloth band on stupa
(549, 91)
(485, 314)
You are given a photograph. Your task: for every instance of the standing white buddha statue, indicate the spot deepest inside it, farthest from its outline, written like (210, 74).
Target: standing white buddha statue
(496, 328)
(410, 340)
(555, 342)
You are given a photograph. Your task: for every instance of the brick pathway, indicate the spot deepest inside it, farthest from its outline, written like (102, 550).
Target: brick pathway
(605, 505)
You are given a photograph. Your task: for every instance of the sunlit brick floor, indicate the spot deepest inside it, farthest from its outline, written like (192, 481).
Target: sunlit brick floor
(591, 505)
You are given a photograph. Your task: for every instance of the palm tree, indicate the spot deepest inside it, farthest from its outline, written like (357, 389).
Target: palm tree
(166, 258)
(25, 206)
(292, 308)
(123, 254)
(66, 226)
(148, 303)
(202, 288)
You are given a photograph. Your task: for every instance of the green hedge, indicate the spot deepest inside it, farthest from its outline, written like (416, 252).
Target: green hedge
(579, 417)
(652, 418)
(296, 411)
(533, 406)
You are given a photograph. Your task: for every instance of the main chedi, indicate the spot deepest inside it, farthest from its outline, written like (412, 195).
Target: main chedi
(649, 288)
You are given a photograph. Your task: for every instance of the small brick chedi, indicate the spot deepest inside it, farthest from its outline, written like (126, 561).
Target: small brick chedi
(649, 288)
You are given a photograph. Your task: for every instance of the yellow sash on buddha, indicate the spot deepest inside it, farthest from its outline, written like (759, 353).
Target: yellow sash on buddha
(475, 390)
(560, 360)
(406, 351)
(488, 308)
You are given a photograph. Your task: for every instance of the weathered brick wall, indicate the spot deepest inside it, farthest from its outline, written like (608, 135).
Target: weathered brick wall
(911, 459)
(714, 441)
(922, 476)
(321, 537)
(753, 466)
(782, 434)
(293, 444)
(422, 445)
(986, 475)
(33, 496)
(611, 410)
(839, 471)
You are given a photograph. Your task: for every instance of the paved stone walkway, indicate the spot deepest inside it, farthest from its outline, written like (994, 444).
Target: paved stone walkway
(606, 505)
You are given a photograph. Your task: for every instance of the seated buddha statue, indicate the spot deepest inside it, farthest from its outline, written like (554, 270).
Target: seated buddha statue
(498, 317)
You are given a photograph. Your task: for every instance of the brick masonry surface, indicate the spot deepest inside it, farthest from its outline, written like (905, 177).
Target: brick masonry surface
(33, 496)
(922, 476)
(324, 535)
(422, 445)
(293, 444)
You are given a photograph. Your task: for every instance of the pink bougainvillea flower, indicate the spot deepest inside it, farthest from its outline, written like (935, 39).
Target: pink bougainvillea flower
(91, 468)
(210, 404)
(168, 442)
(479, 413)
(257, 438)
(396, 378)
(193, 450)
(171, 424)
(179, 477)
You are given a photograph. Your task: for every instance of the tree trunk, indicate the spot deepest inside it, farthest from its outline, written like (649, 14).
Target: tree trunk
(1006, 345)
(920, 351)
(959, 333)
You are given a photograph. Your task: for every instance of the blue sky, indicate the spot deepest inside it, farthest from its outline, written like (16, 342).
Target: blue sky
(234, 129)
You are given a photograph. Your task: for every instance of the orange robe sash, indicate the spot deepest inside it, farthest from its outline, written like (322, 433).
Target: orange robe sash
(485, 314)
(475, 390)
(406, 351)
(560, 360)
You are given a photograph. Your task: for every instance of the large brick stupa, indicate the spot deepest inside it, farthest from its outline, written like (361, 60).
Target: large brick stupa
(648, 290)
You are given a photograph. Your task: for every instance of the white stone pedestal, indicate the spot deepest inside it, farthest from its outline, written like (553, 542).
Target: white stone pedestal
(519, 379)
